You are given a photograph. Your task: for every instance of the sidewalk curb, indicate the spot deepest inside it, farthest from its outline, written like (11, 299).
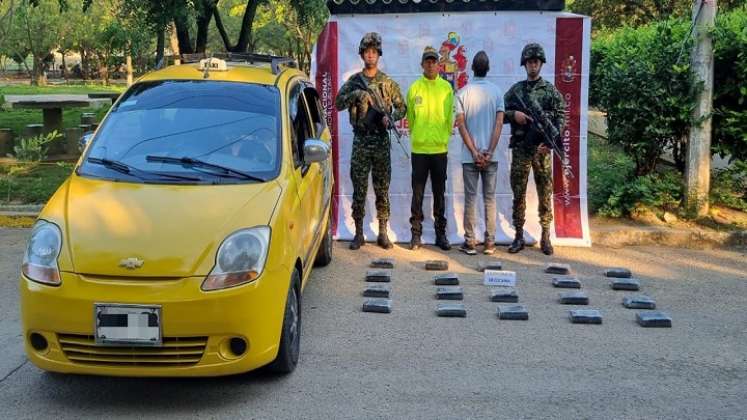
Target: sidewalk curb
(609, 233)
(622, 235)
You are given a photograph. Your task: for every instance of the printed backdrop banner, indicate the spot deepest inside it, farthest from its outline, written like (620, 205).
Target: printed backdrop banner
(457, 37)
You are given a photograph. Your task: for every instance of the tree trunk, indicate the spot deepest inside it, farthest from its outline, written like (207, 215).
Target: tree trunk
(129, 69)
(104, 68)
(222, 31)
(84, 64)
(245, 35)
(37, 77)
(160, 45)
(203, 24)
(64, 66)
(182, 35)
(174, 43)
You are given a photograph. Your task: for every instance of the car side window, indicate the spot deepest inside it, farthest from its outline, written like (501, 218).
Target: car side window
(300, 125)
(316, 110)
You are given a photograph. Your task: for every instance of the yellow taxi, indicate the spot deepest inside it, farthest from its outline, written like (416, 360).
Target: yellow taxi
(182, 241)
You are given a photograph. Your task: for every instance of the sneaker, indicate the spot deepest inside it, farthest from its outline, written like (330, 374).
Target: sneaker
(489, 248)
(468, 248)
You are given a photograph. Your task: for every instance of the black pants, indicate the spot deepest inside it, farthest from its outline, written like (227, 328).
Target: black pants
(422, 166)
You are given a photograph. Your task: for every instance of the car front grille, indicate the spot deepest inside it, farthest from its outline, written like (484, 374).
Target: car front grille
(174, 352)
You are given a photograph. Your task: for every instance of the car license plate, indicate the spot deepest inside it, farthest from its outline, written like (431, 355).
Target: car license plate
(127, 325)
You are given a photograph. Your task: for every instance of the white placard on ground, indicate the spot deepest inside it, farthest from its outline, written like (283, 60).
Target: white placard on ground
(499, 278)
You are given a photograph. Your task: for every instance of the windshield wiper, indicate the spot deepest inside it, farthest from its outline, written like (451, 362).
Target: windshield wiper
(130, 170)
(197, 163)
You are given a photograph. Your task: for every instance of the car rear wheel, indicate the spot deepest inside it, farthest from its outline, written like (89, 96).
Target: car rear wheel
(324, 255)
(290, 338)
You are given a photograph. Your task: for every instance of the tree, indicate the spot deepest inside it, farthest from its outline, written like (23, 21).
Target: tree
(34, 31)
(647, 94)
(612, 14)
(290, 27)
(245, 30)
(156, 17)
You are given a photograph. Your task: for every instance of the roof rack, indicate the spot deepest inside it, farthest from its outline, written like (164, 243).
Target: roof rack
(246, 58)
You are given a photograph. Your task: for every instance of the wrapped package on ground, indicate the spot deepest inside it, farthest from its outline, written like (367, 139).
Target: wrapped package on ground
(383, 306)
(654, 319)
(379, 276)
(639, 302)
(382, 263)
(513, 312)
(446, 279)
(558, 268)
(451, 310)
(377, 291)
(586, 316)
(574, 298)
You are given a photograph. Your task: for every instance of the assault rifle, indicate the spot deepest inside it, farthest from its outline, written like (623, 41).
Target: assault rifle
(547, 132)
(379, 107)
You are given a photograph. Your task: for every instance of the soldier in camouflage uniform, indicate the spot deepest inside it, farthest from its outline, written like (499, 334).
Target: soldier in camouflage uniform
(371, 143)
(529, 150)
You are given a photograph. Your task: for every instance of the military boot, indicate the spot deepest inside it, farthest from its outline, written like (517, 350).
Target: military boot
(442, 241)
(383, 239)
(518, 243)
(545, 244)
(358, 241)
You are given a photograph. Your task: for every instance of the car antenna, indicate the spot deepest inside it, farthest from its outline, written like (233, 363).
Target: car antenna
(207, 67)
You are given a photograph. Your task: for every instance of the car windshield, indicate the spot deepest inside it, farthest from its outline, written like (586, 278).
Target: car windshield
(189, 132)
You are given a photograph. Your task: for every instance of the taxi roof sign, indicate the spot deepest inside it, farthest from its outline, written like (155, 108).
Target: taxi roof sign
(213, 64)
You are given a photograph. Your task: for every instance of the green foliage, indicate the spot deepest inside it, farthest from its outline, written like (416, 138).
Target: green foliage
(33, 30)
(34, 149)
(609, 167)
(283, 27)
(72, 88)
(661, 191)
(31, 183)
(647, 93)
(729, 186)
(613, 14)
(730, 85)
(641, 77)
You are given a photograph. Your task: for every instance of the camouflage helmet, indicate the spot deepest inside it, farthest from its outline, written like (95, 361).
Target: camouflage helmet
(532, 50)
(370, 40)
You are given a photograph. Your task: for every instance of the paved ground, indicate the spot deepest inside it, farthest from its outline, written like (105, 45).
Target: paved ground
(411, 364)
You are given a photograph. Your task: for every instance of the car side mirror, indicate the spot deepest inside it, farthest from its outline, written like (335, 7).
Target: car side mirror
(315, 150)
(84, 140)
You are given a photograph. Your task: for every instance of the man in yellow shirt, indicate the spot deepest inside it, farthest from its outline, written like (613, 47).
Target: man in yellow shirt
(430, 117)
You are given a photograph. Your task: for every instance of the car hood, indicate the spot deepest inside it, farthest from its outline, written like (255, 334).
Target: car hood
(173, 230)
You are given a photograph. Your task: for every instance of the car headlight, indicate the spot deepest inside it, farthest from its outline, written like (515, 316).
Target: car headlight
(240, 259)
(40, 259)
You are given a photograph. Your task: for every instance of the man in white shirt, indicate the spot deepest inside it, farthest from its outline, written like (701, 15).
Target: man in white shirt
(479, 108)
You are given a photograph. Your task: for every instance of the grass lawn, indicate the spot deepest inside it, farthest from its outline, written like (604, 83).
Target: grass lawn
(17, 119)
(34, 186)
(77, 89)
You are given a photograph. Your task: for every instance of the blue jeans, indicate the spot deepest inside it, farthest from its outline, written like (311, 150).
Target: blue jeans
(472, 176)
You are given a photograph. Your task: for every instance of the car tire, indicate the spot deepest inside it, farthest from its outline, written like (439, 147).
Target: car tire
(290, 338)
(324, 255)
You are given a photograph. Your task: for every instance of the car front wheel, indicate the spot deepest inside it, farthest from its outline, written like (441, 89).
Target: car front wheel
(290, 338)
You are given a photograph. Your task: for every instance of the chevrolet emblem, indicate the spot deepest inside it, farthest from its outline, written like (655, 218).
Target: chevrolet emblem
(131, 263)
